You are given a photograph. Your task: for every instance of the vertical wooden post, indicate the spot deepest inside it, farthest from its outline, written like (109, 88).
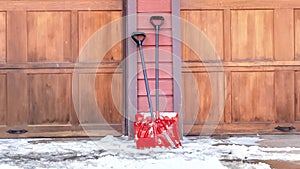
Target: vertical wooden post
(177, 78)
(130, 76)
(17, 86)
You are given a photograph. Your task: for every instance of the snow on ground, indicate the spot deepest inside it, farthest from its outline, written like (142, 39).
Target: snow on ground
(119, 153)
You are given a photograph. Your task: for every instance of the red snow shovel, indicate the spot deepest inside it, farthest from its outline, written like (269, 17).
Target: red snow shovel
(154, 129)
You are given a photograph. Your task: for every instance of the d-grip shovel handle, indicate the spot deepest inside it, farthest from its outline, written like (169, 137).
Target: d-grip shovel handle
(135, 36)
(158, 18)
(139, 38)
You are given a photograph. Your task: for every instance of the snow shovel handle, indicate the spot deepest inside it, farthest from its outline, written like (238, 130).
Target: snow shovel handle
(157, 26)
(139, 41)
(158, 18)
(135, 36)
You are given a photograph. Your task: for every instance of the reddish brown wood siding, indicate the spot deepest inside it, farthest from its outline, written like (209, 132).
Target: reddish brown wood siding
(258, 44)
(145, 10)
(39, 45)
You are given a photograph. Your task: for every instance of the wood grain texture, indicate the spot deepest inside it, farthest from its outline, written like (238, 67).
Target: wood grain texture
(92, 21)
(297, 96)
(17, 99)
(239, 4)
(165, 71)
(297, 34)
(210, 23)
(238, 128)
(253, 97)
(205, 96)
(165, 103)
(165, 37)
(39, 45)
(55, 5)
(154, 6)
(284, 34)
(285, 96)
(252, 34)
(143, 20)
(227, 36)
(207, 92)
(228, 98)
(49, 98)
(261, 53)
(109, 97)
(190, 98)
(74, 35)
(63, 132)
(49, 36)
(3, 105)
(88, 110)
(16, 37)
(165, 54)
(100, 102)
(165, 87)
(2, 37)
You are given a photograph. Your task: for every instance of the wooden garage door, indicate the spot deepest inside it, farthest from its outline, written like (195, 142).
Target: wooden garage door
(40, 42)
(258, 44)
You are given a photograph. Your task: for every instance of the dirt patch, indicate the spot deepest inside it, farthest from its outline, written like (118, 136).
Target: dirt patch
(275, 164)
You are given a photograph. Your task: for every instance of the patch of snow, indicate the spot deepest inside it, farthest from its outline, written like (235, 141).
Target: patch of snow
(245, 140)
(119, 152)
(5, 166)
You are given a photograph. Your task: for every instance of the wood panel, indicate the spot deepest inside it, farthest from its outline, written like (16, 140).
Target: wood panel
(74, 35)
(190, 98)
(228, 97)
(100, 103)
(16, 37)
(88, 109)
(109, 97)
(49, 36)
(60, 5)
(165, 37)
(154, 6)
(2, 37)
(252, 34)
(143, 20)
(238, 129)
(165, 87)
(253, 97)
(285, 96)
(165, 54)
(297, 34)
(197, 97)
(49, 98)
(260, 61)
(39, 45)
(202, 98)
(3, 107)
(297, 96)
(17, 99)
(227, 36)
(239, 4)
(209, 22)
(91, 21)
(166, 103)
(284, 34)
(165, 71)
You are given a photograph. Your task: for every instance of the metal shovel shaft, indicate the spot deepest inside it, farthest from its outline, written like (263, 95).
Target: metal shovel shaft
(157, 22)
(146, 81)
(157, 67)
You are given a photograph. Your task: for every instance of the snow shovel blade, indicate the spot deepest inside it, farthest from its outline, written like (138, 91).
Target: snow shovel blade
(161, 132)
